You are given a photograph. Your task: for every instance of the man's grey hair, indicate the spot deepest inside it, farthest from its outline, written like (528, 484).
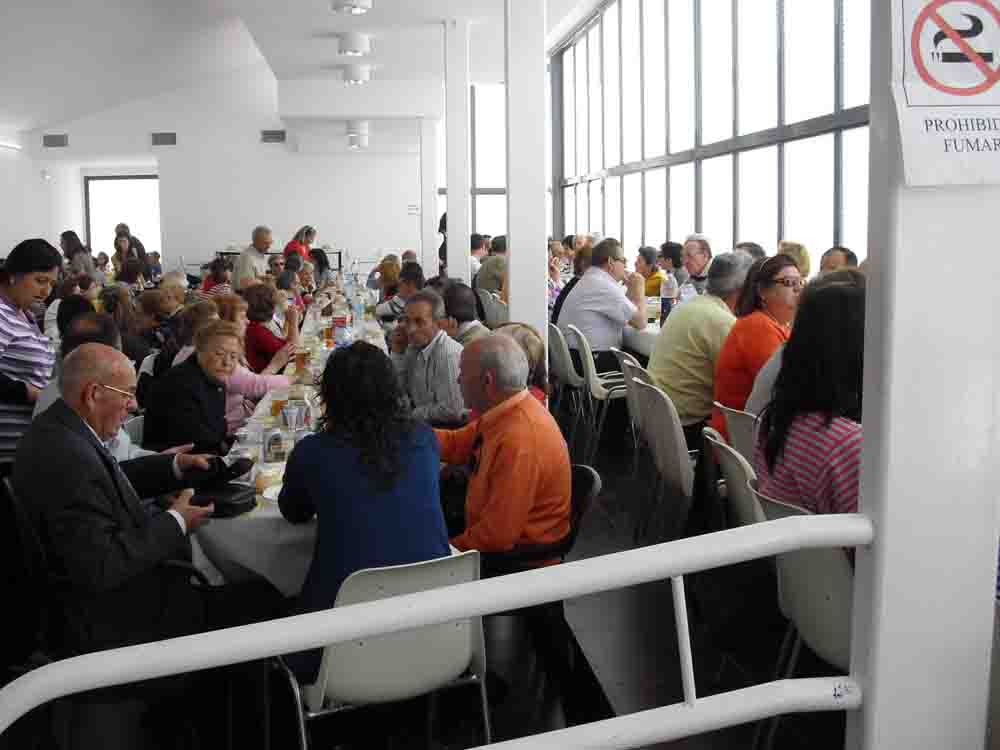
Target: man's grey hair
(502, 355)
(727, 273)
(89, 363)
(258, 231)
(433, 299)
(174, 278)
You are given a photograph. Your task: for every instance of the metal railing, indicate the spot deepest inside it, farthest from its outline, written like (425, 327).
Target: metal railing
(594, 575)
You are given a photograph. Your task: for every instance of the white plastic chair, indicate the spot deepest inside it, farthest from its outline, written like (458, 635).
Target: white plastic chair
(603, 388)
(740, 425)
(402, 665)
(663, 433)
(737, 472)
(570, 383)
(815, 592)
(134, 426)
(494, 308)
(624, 358)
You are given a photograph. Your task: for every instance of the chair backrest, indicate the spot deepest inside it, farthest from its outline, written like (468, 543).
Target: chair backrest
(662, 430)
(737, 472)
(495, 310)
(740, 425)
(401, 665)
(815, 590)
(624, 358)
(25, 575)
(134, 426)
(593, 383)
(562, 366)
(586, 486)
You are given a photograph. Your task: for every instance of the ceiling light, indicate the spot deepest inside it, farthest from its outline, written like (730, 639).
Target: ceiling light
(352, 7)
(11, 146)
(353, 44)
(357, 134)
(356, 75)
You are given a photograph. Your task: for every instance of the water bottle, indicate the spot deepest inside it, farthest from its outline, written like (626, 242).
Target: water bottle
(668, 293)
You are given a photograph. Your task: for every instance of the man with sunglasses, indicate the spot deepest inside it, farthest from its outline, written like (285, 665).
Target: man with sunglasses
(601, 307)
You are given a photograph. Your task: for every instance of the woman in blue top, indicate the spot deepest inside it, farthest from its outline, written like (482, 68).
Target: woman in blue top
(370, 474)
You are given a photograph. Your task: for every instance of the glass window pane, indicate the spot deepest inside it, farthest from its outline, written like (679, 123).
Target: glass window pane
(582, 214)
(613, 207)
(582, 115)
(135, 202)
(491, 214)
(656, 207)
(569, 210)
(632, 216)
(595, 119)
(854, 233)
(680, 47)
(631, 88)
(857, 51)
(596, 214)
(808, 59)
(759, 197)
(717, 201)
(491, 135)
(716, 72)
(809, 195)
(757, 67)
(569, 114)
(612, 100)
(654, 77)
(681, 201)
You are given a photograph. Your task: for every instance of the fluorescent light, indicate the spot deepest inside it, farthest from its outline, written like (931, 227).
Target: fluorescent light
(352, 7)
(11, 146)
(354, 44)
(356, 75)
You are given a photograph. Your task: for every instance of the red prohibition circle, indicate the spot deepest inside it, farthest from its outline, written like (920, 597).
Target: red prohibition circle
(918, 27)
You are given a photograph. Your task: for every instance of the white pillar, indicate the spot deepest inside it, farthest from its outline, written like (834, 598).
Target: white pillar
(527, 250)
(457, 131)
(429, 239)
(923, 601)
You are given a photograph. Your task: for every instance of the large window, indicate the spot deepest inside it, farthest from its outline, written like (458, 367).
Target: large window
(132, 200)
(745, 120)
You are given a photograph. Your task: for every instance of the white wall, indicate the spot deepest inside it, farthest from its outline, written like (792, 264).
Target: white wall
(220, 181)
(24, 197)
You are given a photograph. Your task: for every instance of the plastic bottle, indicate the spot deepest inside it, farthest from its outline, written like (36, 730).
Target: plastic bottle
(668, 295)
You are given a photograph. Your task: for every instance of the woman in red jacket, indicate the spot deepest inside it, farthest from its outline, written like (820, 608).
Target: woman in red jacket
(302, 242)
(261, 343)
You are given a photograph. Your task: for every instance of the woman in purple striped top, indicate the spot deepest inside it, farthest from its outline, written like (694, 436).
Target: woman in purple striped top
(808, 451)
(26, 354)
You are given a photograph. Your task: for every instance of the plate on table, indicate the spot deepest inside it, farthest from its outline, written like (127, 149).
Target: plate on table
(271, 493)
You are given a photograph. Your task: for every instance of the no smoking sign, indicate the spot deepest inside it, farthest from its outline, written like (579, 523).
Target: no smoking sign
(953, 53)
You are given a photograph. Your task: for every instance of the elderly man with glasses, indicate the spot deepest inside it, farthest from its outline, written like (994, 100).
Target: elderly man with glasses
(601, 307)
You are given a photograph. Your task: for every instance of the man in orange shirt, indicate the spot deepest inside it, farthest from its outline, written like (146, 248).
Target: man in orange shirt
(519, 485)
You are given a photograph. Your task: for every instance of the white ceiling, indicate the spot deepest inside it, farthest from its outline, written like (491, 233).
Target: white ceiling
(63, 59)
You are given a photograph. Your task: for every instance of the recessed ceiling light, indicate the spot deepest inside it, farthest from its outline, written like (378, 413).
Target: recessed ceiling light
(352, 7)
(357, 134)
(353, 44)
(357, 75)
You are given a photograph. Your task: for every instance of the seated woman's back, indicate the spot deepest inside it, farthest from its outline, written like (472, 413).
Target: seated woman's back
(370, 475)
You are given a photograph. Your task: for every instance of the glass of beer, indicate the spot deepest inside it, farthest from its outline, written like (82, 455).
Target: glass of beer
(302, 359)
(278, 401)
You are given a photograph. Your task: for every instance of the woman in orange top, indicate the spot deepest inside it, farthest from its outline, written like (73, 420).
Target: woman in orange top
(765, 313)
(301, 243)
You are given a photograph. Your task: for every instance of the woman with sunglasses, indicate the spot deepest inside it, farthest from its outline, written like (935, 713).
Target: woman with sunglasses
(767, 307)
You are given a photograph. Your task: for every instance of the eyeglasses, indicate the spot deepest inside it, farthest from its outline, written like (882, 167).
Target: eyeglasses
(226, 355)
(790, 283)
(128, 394)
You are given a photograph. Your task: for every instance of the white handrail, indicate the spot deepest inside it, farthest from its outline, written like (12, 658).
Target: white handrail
(668, 723)
(302, 632)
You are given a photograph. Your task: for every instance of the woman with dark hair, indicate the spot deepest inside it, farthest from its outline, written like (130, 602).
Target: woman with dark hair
(26, 354)
(808, 449)
(261, 343)
(78, 256)
(323, 275)
(220, 273)
(117, 302)
(68, 287)
(122, 253)
(105, 268)
(301, 243)
(765, 311)
(370, 475)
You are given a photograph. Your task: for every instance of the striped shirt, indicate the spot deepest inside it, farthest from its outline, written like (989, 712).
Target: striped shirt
(819, 468)
(27, 356)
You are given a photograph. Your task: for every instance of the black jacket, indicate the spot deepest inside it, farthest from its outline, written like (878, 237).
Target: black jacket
(185, 406)
(105, 555)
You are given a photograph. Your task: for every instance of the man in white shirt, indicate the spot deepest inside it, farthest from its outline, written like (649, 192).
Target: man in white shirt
(252, 263)
(426, 360)
(480, 249)
(601, 307)
(460, 307)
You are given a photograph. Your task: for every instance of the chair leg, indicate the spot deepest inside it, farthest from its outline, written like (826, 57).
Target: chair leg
(602, 413)
(784, 668)
(487, 726)
(432, 707)
(293, 684)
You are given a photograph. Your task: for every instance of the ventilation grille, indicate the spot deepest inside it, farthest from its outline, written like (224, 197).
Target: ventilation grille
(55, 140)
(272, 136)
(164, 139)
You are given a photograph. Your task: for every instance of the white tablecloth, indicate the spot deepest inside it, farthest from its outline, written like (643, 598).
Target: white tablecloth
(641, 341)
